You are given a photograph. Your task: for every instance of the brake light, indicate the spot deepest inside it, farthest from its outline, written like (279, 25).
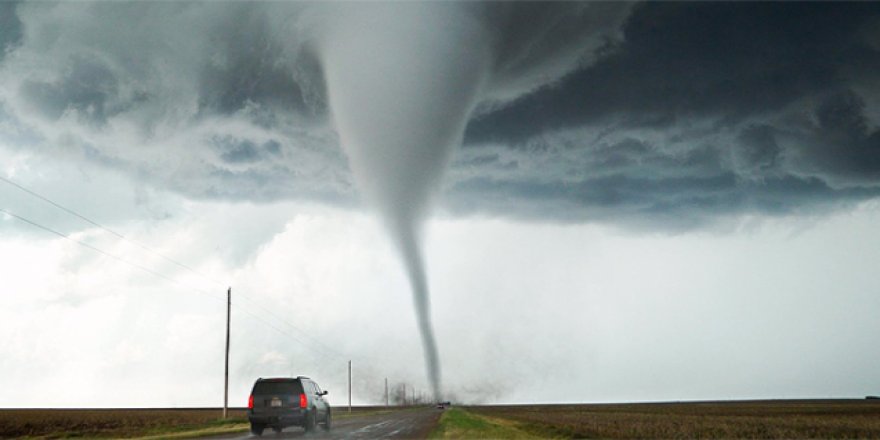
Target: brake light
(303, 402)
(251, 402)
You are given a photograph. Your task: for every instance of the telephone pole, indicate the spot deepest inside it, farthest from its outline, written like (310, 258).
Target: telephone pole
(349, 386)
(386, 392)
(226, 371)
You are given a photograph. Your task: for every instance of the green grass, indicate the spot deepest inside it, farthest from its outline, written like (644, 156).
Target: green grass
(458, 423)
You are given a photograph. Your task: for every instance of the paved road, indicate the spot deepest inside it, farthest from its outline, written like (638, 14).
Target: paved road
(401, 424)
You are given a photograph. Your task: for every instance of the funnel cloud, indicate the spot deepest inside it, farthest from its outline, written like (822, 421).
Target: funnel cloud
(399, 120)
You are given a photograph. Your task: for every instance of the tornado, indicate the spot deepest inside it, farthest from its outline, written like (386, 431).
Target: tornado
(402, 80)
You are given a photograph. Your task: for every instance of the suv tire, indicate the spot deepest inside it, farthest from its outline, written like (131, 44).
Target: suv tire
(310, 421)
(257, 429)
(327, 419)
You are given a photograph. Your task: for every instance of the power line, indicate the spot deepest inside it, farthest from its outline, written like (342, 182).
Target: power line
(150, 250)
(315, 342)
(102, 252)
(117, 234)
(149, 271)
(324, 354)
(325, 351)
(279, 318)
(135, 265)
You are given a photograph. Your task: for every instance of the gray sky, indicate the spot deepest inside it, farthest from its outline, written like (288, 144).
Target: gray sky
(648, 202)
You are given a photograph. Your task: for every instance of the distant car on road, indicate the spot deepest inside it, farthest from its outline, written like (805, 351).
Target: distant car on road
(281, 402)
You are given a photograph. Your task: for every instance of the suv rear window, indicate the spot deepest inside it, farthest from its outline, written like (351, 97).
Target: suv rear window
(277, 388)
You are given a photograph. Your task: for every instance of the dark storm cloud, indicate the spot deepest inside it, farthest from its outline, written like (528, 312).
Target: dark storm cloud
(10, 28)
(671, 114)
(845, 143)
(248, 67)
(636, 185)
(212, 100)
(757, 148)
(236, 151)
(679, 60)
(87, 87)
(537, 42)
(762, 97)
(674, 204)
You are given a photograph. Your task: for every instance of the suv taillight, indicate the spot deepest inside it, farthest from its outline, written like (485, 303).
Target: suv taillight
(251, 402)
(303, 402)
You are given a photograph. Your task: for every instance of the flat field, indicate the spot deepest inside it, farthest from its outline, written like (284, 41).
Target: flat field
(731, 419)
(113, 423)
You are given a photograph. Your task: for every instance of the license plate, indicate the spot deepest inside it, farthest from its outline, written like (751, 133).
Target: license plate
(275, 402)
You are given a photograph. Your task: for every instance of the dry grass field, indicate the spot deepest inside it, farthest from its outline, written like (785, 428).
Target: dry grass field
(110, 423)
(746, 419)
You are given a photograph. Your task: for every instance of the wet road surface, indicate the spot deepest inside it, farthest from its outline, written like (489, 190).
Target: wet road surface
(399, 424)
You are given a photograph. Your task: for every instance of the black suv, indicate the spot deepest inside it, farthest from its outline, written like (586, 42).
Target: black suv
(281, 402)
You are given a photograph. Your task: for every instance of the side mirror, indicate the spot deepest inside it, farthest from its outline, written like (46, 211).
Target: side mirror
(325, 392)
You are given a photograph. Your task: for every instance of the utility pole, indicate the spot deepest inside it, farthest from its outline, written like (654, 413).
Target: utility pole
(404, 394)
(226, 371)
(349, 386)
(386, 392)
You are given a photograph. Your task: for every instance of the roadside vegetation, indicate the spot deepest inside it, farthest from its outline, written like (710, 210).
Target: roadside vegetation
(457, 423)
(756, 419)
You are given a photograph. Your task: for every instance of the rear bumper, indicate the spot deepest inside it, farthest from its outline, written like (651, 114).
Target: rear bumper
(283, 418)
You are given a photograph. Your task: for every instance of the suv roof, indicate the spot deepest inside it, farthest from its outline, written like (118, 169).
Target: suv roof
(282, 379)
